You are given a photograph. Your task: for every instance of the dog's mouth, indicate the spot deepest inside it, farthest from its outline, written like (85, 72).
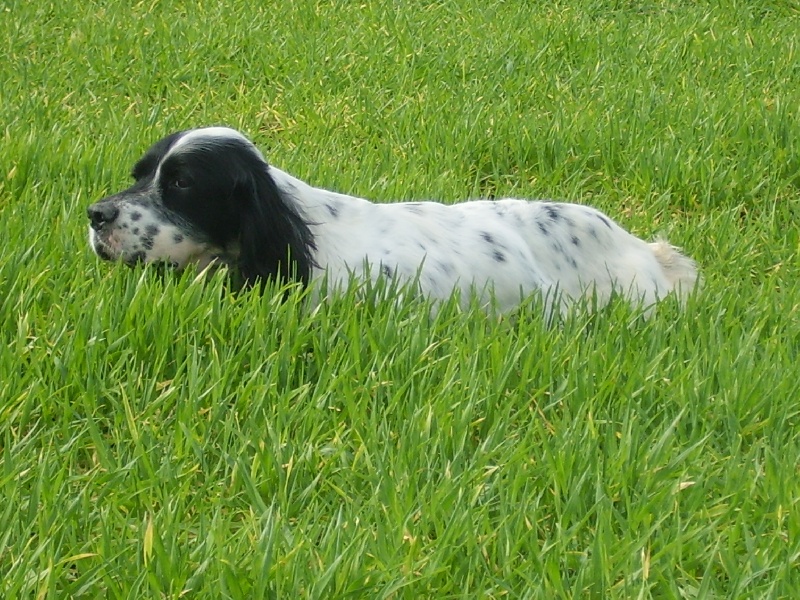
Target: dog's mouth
(103, 252)
(104, 248)
(108, 248)
(135, 259)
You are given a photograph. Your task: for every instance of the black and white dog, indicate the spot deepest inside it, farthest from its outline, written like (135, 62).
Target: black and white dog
(207, 196)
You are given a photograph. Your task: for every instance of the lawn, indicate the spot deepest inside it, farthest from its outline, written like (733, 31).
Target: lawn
(161, 438)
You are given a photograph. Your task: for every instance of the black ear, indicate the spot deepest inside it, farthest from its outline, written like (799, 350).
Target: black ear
(275, 241)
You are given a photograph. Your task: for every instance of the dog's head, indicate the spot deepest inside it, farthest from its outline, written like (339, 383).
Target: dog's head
(201, 196)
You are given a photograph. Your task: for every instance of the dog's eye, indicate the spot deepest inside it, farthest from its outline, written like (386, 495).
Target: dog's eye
(180, 183)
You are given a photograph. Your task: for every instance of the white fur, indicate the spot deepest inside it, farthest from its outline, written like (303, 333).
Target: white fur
(446, 247)
(501, 250)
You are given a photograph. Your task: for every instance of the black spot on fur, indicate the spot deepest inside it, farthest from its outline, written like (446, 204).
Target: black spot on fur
(387, 271)
(554, 212)
(604, 220)
(177, 238)
(558, 248)
(147, 243)
(575, 241)
(487, 237)
(151, 230)
(135, 231)
(414, 207)
(445, 268)
(543, 228)
(333, 210)
(498, 256)
(135, 216)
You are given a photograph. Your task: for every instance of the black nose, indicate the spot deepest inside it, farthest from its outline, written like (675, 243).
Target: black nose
(102, 213)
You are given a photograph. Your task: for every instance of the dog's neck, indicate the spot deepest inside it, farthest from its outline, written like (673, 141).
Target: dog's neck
(332, 218)
(317, 205)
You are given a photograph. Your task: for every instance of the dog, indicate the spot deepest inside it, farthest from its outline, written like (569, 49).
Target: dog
(207, 197)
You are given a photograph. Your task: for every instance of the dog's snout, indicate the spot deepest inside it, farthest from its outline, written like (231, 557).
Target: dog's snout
(101, 213)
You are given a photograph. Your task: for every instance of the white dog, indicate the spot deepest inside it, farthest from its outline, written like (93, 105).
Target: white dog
(207, 195)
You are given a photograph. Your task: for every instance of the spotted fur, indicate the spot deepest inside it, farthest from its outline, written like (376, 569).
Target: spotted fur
(207, 196)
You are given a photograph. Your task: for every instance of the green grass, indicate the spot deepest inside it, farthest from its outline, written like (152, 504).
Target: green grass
(160, 438)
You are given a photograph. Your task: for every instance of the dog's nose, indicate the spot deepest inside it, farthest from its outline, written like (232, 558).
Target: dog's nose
(101, 213)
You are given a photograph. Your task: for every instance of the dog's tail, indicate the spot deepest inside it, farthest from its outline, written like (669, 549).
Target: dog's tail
(679, 269)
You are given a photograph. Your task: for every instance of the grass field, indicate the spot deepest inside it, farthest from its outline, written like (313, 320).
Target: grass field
(161, 439)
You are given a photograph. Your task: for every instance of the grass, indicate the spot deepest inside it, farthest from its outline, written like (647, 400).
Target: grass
(159, 438)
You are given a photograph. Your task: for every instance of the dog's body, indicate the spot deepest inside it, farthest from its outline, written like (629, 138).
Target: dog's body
(207, 195)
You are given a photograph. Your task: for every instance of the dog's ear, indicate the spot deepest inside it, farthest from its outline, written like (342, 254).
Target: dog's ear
(274, 241)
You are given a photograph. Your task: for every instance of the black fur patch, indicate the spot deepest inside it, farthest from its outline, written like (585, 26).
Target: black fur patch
(553, 212)
(543, 228)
